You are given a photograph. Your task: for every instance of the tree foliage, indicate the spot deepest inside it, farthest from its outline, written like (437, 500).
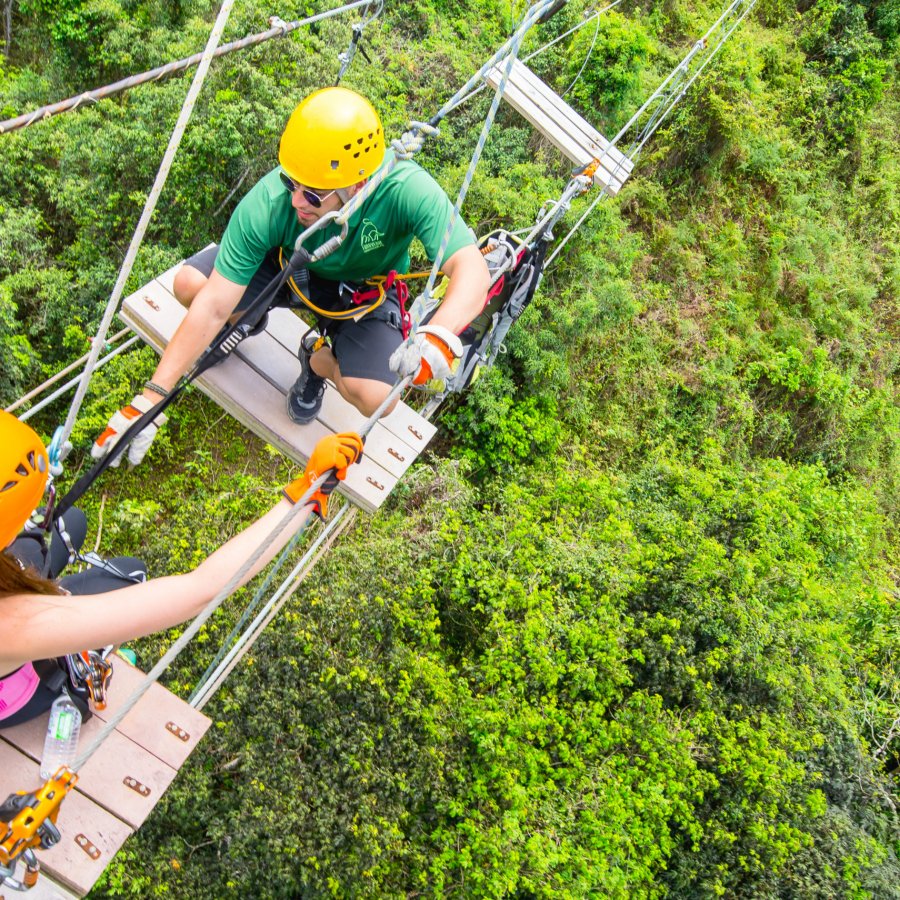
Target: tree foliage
(631, 629)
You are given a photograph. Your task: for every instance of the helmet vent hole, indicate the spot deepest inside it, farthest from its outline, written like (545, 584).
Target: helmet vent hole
(31, 458)
(346, 146)
(21, 470)
(41, 464)
(8, 485)
(356, 155)
(334, 164)
(359, 140)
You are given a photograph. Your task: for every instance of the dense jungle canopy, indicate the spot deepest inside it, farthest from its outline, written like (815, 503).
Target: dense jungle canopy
(630, 628)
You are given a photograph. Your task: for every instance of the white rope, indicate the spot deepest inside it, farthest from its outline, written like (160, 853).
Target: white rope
(62, 373)
(149, 207)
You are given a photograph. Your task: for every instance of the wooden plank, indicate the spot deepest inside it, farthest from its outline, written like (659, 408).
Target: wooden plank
(148, 723)
(47, 888)
(575, 147)
(106, 777)
(259, 402)
(255, 402)
(167, 279)
(147, 754)
(578, 124)
(546, 99)
(79, 819)
(280, 367)
(567, 130)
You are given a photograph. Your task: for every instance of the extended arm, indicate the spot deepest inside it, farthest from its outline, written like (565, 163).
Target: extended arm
(468, 281)
(208, 311)
(39, 626)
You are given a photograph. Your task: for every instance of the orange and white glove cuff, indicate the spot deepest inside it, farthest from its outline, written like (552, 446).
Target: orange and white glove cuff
(120, 422)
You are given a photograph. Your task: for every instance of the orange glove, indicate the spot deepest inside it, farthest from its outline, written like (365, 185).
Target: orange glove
(335, 452)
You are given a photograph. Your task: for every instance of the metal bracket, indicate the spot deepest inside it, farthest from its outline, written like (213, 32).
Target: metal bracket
(178, 731)
(88, 847)
(136, 786)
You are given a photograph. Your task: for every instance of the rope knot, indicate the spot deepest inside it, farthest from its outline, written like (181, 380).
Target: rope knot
(411, 142)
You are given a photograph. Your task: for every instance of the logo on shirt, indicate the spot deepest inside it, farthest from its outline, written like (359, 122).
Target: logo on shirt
(370, 238)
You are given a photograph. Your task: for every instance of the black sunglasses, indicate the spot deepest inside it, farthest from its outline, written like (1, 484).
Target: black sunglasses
(311, 197)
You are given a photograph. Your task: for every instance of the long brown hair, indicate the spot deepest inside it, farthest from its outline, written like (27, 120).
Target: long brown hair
(14, 579)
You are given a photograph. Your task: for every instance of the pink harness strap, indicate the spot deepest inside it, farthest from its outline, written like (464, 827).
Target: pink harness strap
(17, 689)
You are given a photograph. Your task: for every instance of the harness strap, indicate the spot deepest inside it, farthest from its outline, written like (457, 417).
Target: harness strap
(339, 315)
(373, 298)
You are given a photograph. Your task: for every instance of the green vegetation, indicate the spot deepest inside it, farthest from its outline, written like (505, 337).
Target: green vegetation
(631, 629)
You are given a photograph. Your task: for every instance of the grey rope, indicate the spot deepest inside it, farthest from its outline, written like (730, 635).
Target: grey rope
(125, 345)
(249, 609)
(279, 29)
(149, 207)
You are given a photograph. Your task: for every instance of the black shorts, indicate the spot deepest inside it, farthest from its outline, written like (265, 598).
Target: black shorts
(362, 348)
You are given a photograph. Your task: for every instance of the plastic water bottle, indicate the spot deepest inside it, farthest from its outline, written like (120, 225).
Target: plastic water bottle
(61, 741)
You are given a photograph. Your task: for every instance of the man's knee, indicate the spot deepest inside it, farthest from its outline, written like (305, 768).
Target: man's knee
(365, 394)
(187, 284)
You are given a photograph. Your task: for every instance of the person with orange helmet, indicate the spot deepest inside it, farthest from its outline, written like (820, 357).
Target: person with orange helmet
(41, 621)
(332, 144)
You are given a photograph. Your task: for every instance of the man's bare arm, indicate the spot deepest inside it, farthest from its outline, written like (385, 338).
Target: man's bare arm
(467, 289)
(209, 310)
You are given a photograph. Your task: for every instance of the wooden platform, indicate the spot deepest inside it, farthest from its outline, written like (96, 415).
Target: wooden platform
(561, 125)
(253, 382)
(118, 786)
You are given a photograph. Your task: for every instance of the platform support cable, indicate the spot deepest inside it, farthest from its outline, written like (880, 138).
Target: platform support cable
(425, 302)
(191, 631)
(251, 607)
(278, 29)
(212, 681)
(149, 208)
(74, 381)
(62, 374)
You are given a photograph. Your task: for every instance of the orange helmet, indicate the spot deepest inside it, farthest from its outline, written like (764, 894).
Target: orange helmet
(23, 473)
(333, 139)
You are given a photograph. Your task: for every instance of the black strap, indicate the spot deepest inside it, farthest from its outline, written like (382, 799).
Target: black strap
(51, 673)
(225, 341)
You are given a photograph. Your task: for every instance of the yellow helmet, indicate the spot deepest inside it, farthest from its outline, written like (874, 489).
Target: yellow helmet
(23, 473)
(333, 139)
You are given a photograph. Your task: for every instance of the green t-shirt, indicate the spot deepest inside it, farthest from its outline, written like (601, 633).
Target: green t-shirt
(408, 203)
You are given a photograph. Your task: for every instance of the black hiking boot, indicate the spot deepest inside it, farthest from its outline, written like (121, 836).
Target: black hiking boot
(304, 400)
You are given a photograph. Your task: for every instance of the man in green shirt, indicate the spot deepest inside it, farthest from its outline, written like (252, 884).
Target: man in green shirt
(331, 146)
